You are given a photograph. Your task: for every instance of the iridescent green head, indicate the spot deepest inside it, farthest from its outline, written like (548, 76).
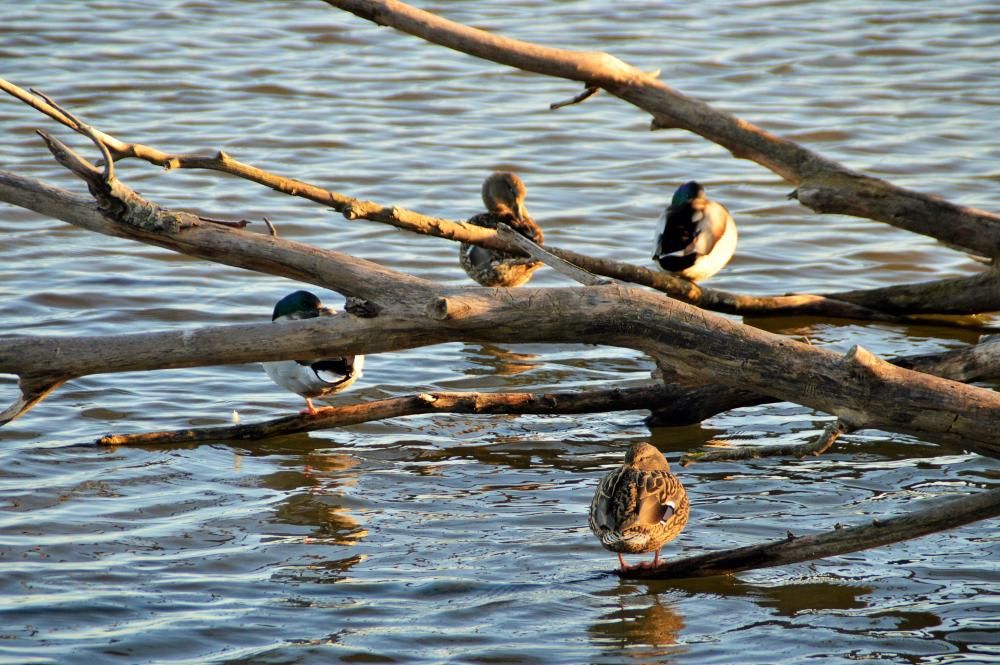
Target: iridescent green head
(686, 193)
(298, 305)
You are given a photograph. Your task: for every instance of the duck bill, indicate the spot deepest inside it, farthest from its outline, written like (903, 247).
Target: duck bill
(520, 212)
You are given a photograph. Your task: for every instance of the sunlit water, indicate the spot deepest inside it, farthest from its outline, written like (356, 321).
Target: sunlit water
(455, 538)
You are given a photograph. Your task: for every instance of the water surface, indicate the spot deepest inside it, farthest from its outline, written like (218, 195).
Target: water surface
(462, 538)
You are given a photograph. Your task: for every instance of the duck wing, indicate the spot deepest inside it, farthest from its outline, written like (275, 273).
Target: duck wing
(659, 497)
(710, 223)
(690, 230)
(333, 371)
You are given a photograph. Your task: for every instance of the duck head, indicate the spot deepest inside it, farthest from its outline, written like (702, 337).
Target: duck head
(503, 193)
(299, 305)
(645, 457)
(686, 193)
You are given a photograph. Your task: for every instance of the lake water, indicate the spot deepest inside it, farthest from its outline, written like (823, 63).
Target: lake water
(460, 539)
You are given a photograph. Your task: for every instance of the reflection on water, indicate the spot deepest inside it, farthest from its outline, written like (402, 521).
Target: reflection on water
(463, 538)
(643, 629)
(498, 360)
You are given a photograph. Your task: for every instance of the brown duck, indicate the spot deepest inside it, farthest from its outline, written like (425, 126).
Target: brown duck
(503, 194)
(639, 506)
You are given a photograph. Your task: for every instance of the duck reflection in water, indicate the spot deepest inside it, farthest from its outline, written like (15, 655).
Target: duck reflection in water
(318, 509)
(500, 361)
(628, 629)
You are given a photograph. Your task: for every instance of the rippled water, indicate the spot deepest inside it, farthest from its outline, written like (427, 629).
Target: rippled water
(455, 538)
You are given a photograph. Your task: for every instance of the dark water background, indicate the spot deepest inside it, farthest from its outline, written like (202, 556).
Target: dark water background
(463, 539)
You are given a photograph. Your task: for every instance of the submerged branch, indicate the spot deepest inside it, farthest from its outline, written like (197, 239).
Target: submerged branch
(941, 516)
(722, 452)
(585, 401)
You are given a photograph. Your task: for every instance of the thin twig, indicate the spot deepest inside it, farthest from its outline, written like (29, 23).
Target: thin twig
(587, 93)
(537, 252)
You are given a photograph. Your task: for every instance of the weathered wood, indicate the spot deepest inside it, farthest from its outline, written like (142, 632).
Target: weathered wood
(861, 389)
(822, 184)
(520, 403)
(971, 295)
(940, 516)
(690, 405)
(234, 247)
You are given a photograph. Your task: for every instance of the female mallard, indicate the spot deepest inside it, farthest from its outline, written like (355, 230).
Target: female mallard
(311, 378)
(503, 194)
(639, 506)
(696, 237)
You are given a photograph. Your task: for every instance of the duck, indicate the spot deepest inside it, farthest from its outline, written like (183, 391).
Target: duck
(503, 193)
(311, 378)
(640, 506)
(695, 237)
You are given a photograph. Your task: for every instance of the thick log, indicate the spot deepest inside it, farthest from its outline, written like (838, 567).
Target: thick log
(860, 389)
(940, 516)
(821, 184)
(690, 405)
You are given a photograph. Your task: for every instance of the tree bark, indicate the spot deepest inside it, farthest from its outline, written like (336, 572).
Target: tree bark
(585, 401)
(821, 184)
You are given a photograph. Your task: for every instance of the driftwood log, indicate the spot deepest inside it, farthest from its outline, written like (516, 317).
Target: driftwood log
(715, 361)
(859, 388)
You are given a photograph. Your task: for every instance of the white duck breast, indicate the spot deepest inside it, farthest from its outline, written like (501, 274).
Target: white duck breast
(318, 378)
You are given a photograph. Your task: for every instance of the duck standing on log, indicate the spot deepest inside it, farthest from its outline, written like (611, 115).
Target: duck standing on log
(503, 194)
(311, 378)
(639, 506)
(696, 236)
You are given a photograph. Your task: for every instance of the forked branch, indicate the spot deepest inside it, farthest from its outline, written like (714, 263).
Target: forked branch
(821, 184)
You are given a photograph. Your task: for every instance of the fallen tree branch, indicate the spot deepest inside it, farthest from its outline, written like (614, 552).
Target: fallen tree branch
(689, 405)
(861, 389)
(962, 296)
(584, 401)
(941, 516)
(821, 184)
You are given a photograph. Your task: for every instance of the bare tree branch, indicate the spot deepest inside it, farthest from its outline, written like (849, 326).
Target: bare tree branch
(822, 184)
(584, 401)
(971, 295)
(941, 516)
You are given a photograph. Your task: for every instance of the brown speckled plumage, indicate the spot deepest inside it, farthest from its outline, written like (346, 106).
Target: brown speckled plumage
(503, 195)
(639, 506)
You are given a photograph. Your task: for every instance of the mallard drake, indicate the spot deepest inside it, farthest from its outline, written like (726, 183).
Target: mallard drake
(696, 236)
(639, 506)
(311, 378)
(503, 194)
